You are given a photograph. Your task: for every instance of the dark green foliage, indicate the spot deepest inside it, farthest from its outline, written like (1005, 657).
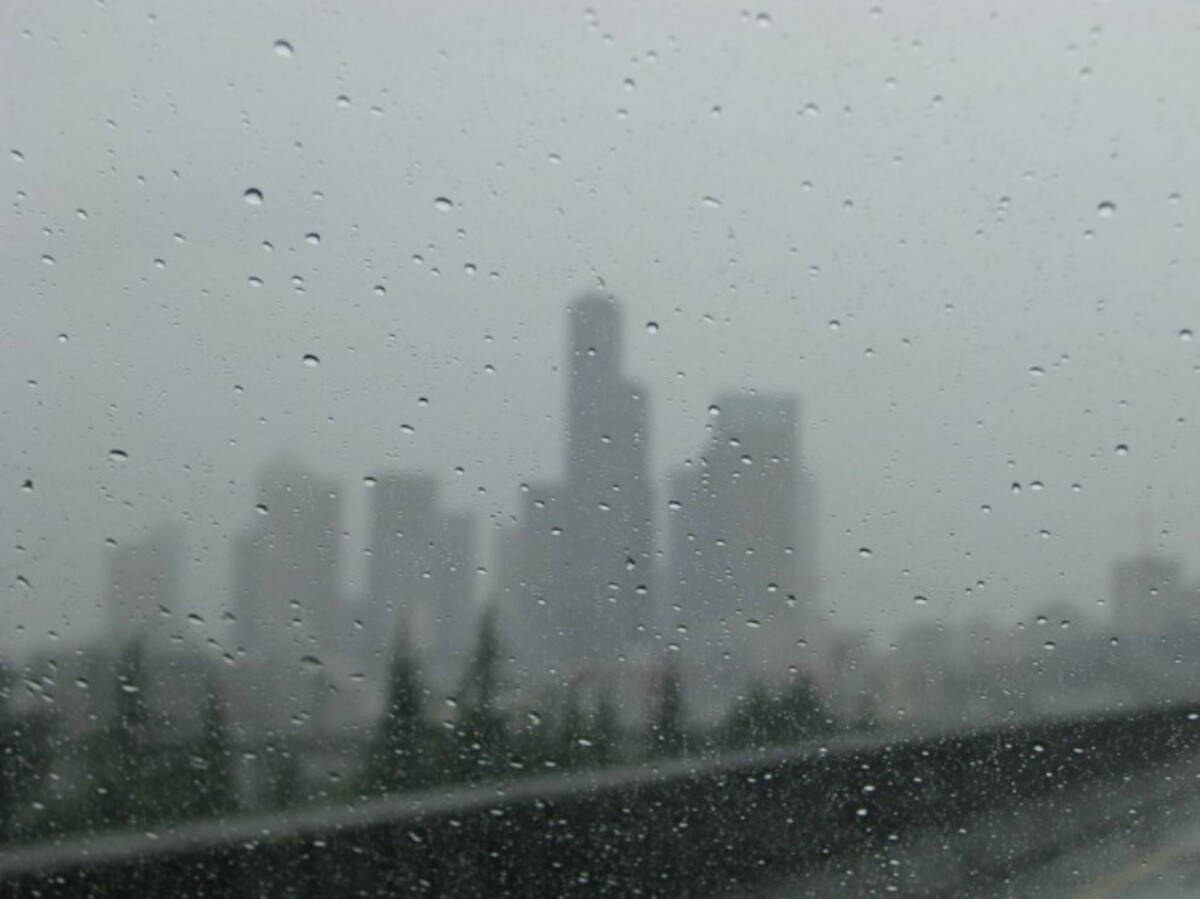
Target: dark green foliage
(213, 758)
(24, 757)
(668, 735)
(482, 734)
(285, 780)
(400, 754)
(762, 718)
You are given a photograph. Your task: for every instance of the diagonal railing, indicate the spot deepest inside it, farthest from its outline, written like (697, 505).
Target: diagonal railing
(691, 827)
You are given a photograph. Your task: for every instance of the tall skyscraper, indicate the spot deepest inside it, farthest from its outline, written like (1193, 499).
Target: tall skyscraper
(737, 536)
(580, 584)
(143, 590)
(420, 584)
(286, 579)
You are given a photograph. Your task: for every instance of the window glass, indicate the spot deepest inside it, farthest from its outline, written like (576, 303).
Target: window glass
(406, 399)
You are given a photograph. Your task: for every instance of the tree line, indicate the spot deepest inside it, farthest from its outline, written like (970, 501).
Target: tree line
(133, 771)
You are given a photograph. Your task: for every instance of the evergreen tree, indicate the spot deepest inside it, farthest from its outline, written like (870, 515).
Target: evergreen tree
(24, 757)
(572, 729)
(397, 759)
(119, 762)
(749, 723)
(213, 759)
(285, 779)
(668, 736)
(606, 733)
(481, 732)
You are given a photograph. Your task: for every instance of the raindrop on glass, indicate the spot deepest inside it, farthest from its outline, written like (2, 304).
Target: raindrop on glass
(253, 196)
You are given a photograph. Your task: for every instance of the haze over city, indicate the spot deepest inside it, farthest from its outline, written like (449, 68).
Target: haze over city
(965, 293)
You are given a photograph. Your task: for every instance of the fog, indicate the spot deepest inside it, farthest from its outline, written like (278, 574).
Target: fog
(959, 235)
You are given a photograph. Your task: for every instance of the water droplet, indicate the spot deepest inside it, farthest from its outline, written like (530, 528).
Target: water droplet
(253, 196)
(343, 102)
(864, 552)
(407, 429)
(160, 263)
(81, 214)
(709, 200)
(118, 455)
(1037, 371)
(17, 155)
(311, 360)
(1122, 449)
(47, 259)
(753, 623)
(834, 324)
(311, 661)
(312, 237)
(1049, 646)
(283, 48)
(921, 600)
(763, 20)
(370, 481)
(27, 486)
(714, 410)
(651, 327)
(443, 204)
(1185, 335)
(254, 281)
(63, 338)
(1106, 209)
(261, 509)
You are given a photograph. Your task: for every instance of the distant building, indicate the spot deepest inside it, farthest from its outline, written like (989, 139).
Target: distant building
(286, 580)
(740, 535)
(578, 571)
(1148, 597)
(420, 577)
(143, 593)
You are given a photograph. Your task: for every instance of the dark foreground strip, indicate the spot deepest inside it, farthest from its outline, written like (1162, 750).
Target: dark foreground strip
(687, 828)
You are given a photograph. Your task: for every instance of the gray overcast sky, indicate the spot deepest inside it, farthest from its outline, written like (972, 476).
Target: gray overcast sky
(929, 176)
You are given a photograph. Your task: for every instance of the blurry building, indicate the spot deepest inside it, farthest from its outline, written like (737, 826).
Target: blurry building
(740, 538)
(578, 569)
(286, 579)
(1148, 597)
(420, 577)
(142, 595)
